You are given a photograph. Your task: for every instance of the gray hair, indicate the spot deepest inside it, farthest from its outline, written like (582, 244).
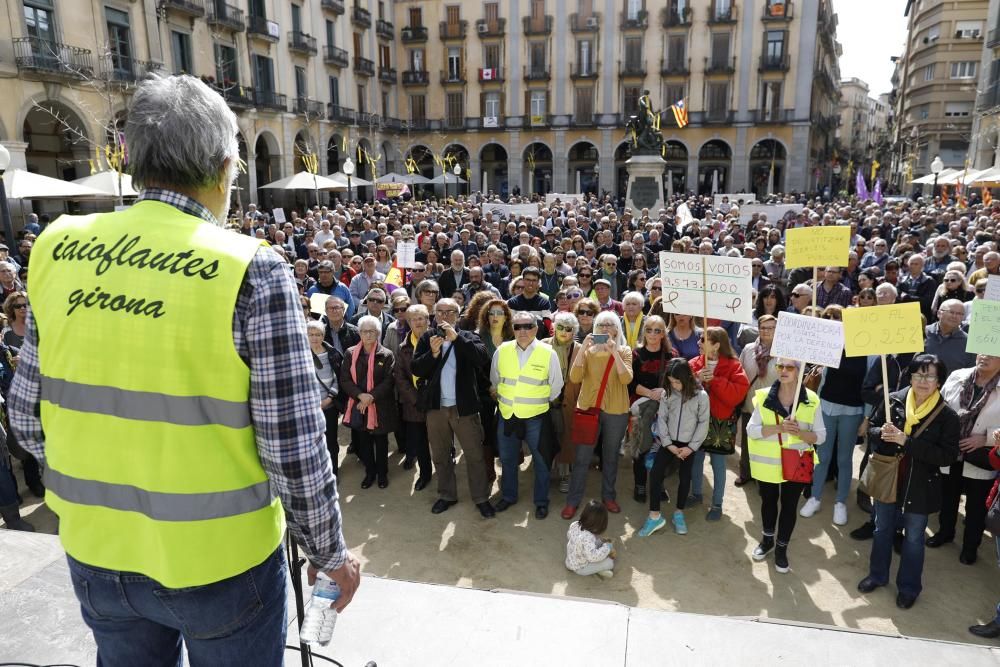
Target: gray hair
(180, 133)
(317, 325)
(522, 315)
(370, 320)
(610, 317)
(634, 296)
(425, 285)
(567, 320)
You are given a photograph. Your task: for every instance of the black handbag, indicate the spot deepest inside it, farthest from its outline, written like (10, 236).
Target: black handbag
(721, 438)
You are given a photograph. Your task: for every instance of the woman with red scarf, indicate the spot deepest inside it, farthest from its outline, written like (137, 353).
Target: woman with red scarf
(366, 378)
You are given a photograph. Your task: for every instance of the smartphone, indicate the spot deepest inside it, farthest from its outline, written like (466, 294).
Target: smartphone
(599, 339)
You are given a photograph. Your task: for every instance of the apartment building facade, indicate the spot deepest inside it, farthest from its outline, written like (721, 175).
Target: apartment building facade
(526, 95)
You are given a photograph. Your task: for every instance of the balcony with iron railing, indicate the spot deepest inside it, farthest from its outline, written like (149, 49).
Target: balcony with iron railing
(775, 63)
(635, 21)
(536, 73)
(340, 114)
(335, 6)
(387, 75)
(718, 65)
(416, 77)
(456, 122)
(672, 17)
(361, 17)
(416, 124)
(259, 26)
(495, 75)
(718, 116)
(776, 116)
(632, 68)
(413, 34)
(236, 96)
(301, 42)
(534, 26)
(582, 119)
(723, 11)
(584, 70)
(364, 66)
(390, 123)
(269, 99)
(582, 23)
(226, 16)
(453, 30)
(452, 76)
(40, 57)
(778, 10)
(308, 107)
(334, 55)
(993, 38)
(369, 119)
(675, 67)
(384, 29)
(116, 68)
(486, 28)
(193, 8)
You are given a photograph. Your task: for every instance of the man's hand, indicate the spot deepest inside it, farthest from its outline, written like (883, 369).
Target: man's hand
(436, 343)
(347, 576)
(449, 332)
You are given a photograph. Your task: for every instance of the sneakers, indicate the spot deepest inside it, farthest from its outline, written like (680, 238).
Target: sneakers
(680, 525)
(811, 507)
(781, 558)
(606, 574)
(714, 514)
(651, 526)
(839, 514)
(568, 512)
(764, 548)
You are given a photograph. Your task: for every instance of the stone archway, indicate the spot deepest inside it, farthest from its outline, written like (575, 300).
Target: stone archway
(622, 154)
(493, 162)
(675, 171)
(460, 157)
(763, 155)
(583, 171)
(267, 165)
(715, 162)
(537, 168)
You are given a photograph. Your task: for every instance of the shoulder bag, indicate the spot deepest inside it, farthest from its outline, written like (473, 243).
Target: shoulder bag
(881, 476)
(586, 423)
(796, 465)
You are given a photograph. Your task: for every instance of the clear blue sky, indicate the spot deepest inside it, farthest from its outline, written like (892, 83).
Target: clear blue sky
(870, 32)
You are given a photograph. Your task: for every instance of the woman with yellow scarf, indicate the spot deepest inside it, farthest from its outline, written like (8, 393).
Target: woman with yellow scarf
(928, 439)
(413, 417)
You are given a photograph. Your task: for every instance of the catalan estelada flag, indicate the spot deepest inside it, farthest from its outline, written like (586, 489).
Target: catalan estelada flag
(680, 114)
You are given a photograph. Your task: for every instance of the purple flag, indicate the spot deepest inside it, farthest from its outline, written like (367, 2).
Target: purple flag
(861, 187)
(878, 192)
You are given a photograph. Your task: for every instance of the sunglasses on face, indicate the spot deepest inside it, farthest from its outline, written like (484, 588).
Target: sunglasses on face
(523, 327)
(497, 313)
(786, 367)
(579, 295)
(401, 309)
(585, 275)
(19, 306)
(563, 327)
(654, 331)
(376, 301)
(655, 289)
(431, 292)
(587, 313)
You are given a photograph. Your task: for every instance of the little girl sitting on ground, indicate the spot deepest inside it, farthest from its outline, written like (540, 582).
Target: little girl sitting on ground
(586, 552)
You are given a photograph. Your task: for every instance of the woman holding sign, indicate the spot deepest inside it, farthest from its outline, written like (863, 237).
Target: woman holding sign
(914, 454)
(721, 374)
(782, 455)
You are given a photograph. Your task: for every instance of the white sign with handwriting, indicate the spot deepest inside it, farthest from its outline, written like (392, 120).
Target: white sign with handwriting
(809, 339)
(726, 280)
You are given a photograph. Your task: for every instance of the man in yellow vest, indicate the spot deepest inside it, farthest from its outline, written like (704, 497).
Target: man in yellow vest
(526, 377)
(176, 445)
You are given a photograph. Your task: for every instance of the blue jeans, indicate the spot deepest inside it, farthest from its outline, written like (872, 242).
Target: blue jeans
(718, 476)
(136, 621)
(509, 447)
(888, 517)
(842, 434)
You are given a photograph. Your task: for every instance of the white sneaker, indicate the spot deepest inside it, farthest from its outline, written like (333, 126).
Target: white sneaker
(810, 508)
(606, 574)
(840, 514)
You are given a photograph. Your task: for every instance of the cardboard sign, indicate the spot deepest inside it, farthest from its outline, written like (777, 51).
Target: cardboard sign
(883, 330)
(726, 280)
(278, 214)
(406, 254)
(817, 246)
(739, 199)
(992, 286)
(317, 303)
(510, 211)
(391, 190)
(808, 339)
(984, 328)
(774, 212)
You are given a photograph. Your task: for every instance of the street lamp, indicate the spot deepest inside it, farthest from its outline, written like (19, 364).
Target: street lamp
(4, 211)
(348, 171)
(457, 170)
(937, 166)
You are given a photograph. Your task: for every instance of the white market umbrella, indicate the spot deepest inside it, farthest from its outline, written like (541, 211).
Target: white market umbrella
(305, 181)
(987, 177)
(961, 176)
(107, 182)
(447, 179)
(21, 184)
(929, 178)
(356, 181)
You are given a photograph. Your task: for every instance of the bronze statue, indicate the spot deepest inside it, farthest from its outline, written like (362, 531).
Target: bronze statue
(642, 129)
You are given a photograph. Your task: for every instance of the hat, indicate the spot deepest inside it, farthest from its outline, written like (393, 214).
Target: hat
(355, 232)
(602, 281)
(325, 265)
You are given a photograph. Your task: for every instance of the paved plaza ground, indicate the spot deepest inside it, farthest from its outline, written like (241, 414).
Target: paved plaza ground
(708, 571)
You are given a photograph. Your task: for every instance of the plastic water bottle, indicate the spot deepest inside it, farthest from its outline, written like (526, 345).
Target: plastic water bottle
(320, 617)
(650, 458)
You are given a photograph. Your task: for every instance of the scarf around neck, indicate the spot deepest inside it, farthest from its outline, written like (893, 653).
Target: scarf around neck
(968, 411)
(761, 356)
(370, 412)
(914, 412)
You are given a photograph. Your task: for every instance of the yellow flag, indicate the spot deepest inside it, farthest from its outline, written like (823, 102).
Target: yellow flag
(344, 145)
(875, 166)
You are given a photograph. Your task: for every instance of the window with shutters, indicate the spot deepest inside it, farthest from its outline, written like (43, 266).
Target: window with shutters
(584, 57)
(630, 99)
(226, 70)
(454, 109)
(718, 100)
(537, 12)
(491, 56)
(677, 51)
(358, 50)
(770, 103)
(454, 63)
(929, 72)
(296, 18)
(968, 29)
(633, 53)
(536, 57)
(385, 104)
(583, 109)
(263, 74)
(301, 87)
(491, 105)
(585, 8)
(384, 56)
(334, 91)
(330, 34)
(418, 108)
(775, 45)
(381, 10)
(991, 95)
(180, 45)
(453, 15)
(957, 109)
(416, 17)
(632, 9)
(672, 94)
(416, 59)
(491, 11)
(720, 50)
(362, 99)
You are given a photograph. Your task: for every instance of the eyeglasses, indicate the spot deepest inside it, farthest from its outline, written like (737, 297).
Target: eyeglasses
(579, 295)
(763, 329)
(418, 270)
(375, 300)
(655, 289)
(924, 377)
(786, 367)
(952, 280)
(654, 331)
(401, 309)
(19, 306)
(431, 291)
(524, 327)
(586, 313)
(799, 294)
(980, 290)
(449, 312)
(608, 325)
(584, 275)
(369, 332)
(563, 327)
(497, 313)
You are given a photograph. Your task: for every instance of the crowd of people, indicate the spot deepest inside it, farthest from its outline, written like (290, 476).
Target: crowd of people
(547, 336)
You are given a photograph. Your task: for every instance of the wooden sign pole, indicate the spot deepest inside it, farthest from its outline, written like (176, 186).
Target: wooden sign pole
(885, 389)
(704, 306)
(798, 388)
(815, 286)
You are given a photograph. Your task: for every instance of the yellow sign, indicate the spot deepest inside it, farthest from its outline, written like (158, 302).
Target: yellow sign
(817, 246)
(883, 329)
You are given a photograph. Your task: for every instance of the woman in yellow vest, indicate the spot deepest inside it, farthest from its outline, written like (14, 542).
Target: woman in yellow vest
(782, 454)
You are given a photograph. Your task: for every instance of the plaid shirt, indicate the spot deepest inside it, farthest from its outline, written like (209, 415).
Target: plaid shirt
(269, 333)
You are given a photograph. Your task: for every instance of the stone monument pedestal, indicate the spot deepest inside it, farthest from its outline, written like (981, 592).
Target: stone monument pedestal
(645, 184)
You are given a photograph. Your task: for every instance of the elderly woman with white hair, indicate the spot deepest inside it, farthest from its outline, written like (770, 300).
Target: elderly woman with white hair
(604, 369)
(565, 326)
(366, 379)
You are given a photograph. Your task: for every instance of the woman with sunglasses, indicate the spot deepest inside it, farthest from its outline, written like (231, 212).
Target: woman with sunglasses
(770, 301)
(636, 281)
(585, 276)
(654, 291)
(15, 307)
(954, 286)
(561, 413)
(776, 435)
(396, 332)
(427, 294)
(383, 260)
(867, 297)
(495, 327)
(639, 263)
(586, 310)
(833, 312)
(649, 366)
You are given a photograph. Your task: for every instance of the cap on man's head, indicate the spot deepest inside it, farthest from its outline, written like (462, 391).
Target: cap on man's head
(602, 281)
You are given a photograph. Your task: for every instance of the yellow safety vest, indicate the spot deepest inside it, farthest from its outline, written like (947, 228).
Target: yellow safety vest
(152, 464)
(765, 455)
(523, 392)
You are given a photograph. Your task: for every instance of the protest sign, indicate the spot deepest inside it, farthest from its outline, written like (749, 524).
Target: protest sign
(563, 198)
(984, 328)
(317, 303)
(391, 190)
(406, 254)
(738, 199)
(992, 287)
(883, 330)
(278, 214)
(774, 212)
(694, 284)
(817, 246)
(808, 339)
(510, 211)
